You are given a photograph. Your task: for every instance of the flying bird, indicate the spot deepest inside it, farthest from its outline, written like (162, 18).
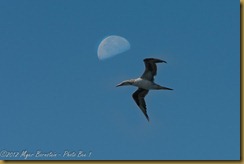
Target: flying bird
(145, 83)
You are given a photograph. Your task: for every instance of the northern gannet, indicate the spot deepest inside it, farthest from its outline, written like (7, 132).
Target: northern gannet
(145, 83)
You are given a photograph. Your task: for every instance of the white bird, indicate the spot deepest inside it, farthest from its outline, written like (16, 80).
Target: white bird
(145, 83)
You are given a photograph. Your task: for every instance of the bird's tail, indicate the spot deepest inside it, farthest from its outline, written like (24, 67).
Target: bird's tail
(163, 88)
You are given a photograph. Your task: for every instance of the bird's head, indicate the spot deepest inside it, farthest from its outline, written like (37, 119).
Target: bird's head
(126, 82)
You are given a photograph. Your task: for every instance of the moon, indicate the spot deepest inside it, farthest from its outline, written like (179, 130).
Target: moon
(111, 46)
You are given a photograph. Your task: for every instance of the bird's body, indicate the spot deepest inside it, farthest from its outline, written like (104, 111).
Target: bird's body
(145, 83)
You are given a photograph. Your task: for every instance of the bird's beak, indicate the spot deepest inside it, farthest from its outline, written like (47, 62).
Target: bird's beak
(120, 84)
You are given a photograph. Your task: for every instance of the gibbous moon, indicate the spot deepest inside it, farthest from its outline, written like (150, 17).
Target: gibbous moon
(111, 46)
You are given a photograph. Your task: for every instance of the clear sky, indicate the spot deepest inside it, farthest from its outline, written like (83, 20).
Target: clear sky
(56, 96)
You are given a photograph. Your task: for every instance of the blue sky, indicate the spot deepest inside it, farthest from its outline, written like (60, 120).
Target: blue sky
(56, 96)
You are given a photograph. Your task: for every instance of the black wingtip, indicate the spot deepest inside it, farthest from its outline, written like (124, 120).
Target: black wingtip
(161, 61)
(147, 118)
(154, 60)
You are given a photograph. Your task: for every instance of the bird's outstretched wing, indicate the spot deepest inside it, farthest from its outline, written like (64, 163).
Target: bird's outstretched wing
(151, 68)
(138, 96)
